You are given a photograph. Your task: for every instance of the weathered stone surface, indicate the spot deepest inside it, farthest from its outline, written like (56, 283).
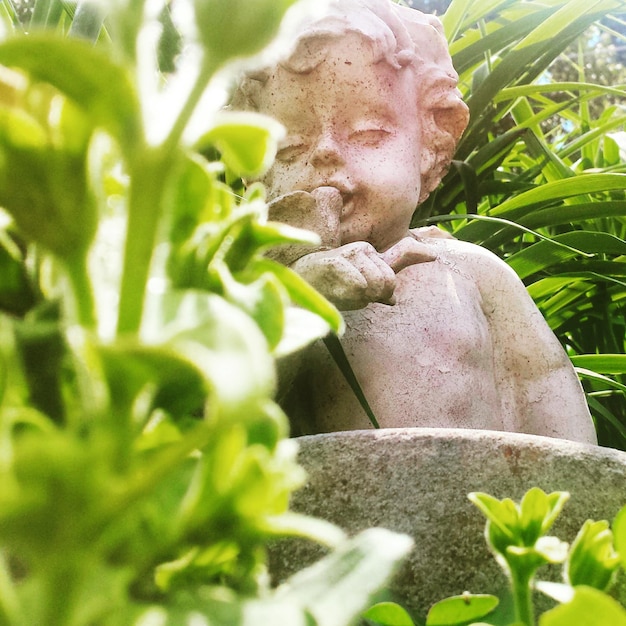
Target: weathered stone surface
(439, 332)
(416, 481)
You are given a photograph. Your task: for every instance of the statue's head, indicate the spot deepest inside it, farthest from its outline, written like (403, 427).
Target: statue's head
(369, 100)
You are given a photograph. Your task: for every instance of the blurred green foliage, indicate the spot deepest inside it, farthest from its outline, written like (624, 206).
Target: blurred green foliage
(143, 461)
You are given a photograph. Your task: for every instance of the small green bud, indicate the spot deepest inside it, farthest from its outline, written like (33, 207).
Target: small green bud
(592, 560)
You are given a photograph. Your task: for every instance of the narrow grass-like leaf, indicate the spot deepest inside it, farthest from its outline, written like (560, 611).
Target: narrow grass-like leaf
(46, 13)
(602, 363)
(339, 356)
(461, 13)
(87, 21)
(544, 254)
(543, 196)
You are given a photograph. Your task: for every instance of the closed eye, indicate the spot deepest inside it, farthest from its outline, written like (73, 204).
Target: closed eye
(291, 152)
(370, 136)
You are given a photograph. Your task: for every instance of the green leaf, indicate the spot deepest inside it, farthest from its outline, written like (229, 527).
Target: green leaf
(43, 178)
(225, 608)
(291, 524)
(533, 510)
(604, 381)
(515, 532)
(543, 196)
(388, 614)
(173, 383)
(46, 13)
(557, 591)
(85, 74)
(42, 349)
(589, 607)
(301, 329)
(222, 341)
(263, 299)
(248, 141)
(304, 295)
(461, 609)
(87, 21)
(502, 513)
(340, 358)
(545, 254)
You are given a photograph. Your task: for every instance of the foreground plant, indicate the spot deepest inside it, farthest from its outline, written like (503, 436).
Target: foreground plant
(144, 464)
(516, 535)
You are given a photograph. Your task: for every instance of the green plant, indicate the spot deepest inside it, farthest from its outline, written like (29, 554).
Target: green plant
(516, 535)
(144, 464)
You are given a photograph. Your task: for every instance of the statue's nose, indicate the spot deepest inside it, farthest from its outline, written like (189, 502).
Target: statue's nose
(327, 152)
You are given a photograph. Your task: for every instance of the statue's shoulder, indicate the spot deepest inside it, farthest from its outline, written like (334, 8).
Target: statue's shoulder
(477, 264)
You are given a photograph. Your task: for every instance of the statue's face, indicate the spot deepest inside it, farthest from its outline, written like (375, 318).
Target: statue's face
(351, 124)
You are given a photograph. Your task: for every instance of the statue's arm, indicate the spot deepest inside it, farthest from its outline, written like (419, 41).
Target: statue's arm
(540, 391)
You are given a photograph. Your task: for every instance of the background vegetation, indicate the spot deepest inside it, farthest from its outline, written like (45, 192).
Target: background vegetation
(539, 174)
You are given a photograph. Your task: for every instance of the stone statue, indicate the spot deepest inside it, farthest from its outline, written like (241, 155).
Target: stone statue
(440, 332)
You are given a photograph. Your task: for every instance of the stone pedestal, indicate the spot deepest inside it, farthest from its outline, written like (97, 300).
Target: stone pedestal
(416, 481)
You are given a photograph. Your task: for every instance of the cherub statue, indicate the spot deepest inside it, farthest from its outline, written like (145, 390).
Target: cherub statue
(440, 332)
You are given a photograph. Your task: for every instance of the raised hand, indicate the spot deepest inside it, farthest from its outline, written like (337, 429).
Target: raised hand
(355, 274)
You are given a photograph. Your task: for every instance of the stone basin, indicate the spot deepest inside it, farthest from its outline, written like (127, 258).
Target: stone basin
(416, 481)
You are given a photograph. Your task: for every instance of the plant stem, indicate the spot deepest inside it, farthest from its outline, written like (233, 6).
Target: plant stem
(82, 290)
(522, 597)
(149, 175)
(148, 181)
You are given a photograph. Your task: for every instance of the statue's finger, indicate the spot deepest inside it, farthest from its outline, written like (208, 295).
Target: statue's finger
(407, 251)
